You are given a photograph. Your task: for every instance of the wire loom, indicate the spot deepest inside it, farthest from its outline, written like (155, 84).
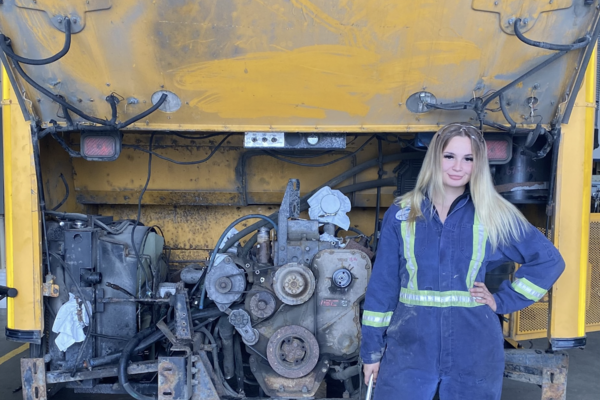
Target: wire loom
(112, 99)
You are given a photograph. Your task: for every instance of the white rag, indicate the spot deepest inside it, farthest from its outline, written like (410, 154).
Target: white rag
(69, 323)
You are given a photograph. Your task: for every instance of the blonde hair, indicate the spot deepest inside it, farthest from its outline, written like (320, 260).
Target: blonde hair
(502, 221)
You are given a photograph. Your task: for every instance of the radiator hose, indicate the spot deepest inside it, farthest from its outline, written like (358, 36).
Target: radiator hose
(124, 361)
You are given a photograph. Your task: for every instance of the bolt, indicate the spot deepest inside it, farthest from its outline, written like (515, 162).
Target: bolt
(91, 100)
(79, 100)
(281, 388)
(74, 20)
(147, 122)
(525, 21)
(39, 100)
(536, 86)
(304, 389)
(282, 248)
(257, 272)
(227, 260)
(262, 280)
(495, 3)
(307, 248)
(162, 86)
(194, 370)
(60, 20)
(511, 21)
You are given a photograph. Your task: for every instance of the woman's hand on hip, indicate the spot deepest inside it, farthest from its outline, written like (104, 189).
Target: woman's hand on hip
(370, 369)
(482, 295)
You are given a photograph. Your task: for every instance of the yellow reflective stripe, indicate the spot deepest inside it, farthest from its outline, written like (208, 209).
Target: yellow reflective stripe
(528, 289)
(430, 298)
(408, 239)
(479, 241)
(377, 320)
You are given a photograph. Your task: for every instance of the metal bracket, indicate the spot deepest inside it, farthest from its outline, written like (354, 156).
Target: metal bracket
(548, 370)
(49, 288)
(33, 378)
(204, 389)
(174, 378)
(527, 10)
(59, 10)
(290, 208)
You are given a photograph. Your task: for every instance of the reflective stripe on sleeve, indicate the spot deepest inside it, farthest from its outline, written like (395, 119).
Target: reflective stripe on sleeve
(377, 319)
(432, 298)
(528, 289)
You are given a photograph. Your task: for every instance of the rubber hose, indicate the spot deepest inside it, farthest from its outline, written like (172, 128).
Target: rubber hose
(124, 361)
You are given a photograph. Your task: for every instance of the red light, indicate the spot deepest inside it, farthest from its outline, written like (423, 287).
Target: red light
(497, 150)
(99, 146)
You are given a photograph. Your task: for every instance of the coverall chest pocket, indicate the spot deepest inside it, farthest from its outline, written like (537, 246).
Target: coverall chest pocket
(473, 242)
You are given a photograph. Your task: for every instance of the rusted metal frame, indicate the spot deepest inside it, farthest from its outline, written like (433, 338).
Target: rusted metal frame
(33, 378)
(203, 383)
(549, 370)
(100, 372)
(183, 323)
(174, 378)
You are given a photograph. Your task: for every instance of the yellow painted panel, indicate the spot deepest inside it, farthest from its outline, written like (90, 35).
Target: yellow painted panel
(572, 215)
(295, 65)
(23, 243)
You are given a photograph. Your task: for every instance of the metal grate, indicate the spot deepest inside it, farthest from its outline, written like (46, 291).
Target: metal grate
(593, 303)
(533, 318)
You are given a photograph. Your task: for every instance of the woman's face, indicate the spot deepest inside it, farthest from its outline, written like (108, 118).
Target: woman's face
(457, 162)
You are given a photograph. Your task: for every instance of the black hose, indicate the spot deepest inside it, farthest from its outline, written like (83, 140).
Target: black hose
(506, 114)
(57, 98)
(67, 192)
(124, 361)
(153, 338)
(378, 200)
(5, 45)
(211, 261)
(578, 44)
(522, 77)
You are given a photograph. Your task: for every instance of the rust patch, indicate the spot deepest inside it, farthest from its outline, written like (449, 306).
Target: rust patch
(33, 378)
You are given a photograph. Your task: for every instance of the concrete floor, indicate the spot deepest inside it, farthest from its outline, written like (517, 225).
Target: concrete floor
(583, 381)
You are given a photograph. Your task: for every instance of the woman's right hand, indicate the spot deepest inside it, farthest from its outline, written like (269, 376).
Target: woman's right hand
(370, 369)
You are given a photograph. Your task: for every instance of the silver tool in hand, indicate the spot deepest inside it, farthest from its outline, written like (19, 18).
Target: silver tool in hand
(370, 388)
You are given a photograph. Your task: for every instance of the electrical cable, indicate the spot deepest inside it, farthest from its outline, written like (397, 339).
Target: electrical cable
(378, 199)
(578, 44)
(323, 164)
(5, 45)
(40, 187)
(331, 183)
(57, 98)
(135, 147)
(139, 212)
(67, 192)
(527, 74)
(218, 246)
(505, 112)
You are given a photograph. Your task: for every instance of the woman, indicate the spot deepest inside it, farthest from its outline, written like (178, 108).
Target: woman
(429, 318)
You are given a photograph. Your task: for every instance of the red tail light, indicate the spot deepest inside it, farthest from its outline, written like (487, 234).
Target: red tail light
(104, 146)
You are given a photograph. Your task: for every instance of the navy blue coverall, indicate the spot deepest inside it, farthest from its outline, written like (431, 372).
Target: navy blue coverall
(420, 320)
